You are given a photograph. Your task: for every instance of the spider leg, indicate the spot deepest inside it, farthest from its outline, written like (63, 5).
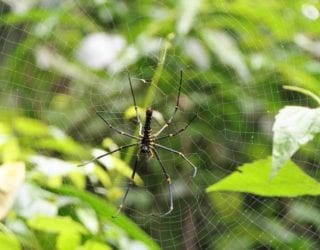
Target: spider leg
(115, 129)
(128, 187)
(177, 132)
(109, 153)
(135, 106)
(175, 109)
(169, 183)
(181, 154)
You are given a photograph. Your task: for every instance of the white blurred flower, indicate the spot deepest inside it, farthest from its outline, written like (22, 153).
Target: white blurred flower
(32, 201)
(310, 11)
(196, 51)
(99, 50)
(309, 45)
(226, 49)
(52, 166)
(12, 177)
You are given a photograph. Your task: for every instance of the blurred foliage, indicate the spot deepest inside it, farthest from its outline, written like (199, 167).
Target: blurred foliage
(235, 56)
(37, 210)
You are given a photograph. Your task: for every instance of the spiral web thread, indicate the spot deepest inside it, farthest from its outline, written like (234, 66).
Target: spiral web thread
(198, 220)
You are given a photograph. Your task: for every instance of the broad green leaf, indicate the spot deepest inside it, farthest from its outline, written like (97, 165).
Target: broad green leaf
(126, 170)
(64, 145)
(94, 245)
(56, 224)
(114, 163)
(294, 127)
(4, 129)
(130, 113)
(106, 211)
(30, 127)
(254, 178)
(298, 77)
(68, 240)
(9, 242)
(103, 176)
(11, 150)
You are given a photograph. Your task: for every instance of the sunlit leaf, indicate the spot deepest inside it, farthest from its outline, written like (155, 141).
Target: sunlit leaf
(254, 178)
(130, 113)
(4, 129)
(294, 127)
(78, 179)
(11, 150)
(68, 240)
(126, 170)
(30, 127)
(94, 245)
(9, 242)
(56, 224)
(298, 77)
(106, 211)
(103, 176)
(64, 145)
(114, 163)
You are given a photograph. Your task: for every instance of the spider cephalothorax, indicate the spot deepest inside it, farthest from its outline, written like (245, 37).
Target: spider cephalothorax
(147, 144)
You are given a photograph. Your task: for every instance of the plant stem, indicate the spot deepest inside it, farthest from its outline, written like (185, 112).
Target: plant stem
(153, 86)
(303, 91)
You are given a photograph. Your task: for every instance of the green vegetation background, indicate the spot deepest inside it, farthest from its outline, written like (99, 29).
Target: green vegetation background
(235, 55)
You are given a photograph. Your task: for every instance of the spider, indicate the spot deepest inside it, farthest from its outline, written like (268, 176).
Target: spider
(147, 143)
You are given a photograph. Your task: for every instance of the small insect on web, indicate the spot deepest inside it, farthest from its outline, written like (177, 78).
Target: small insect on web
(147, 143)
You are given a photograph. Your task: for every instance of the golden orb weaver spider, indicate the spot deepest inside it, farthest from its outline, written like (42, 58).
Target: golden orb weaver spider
(147, 144)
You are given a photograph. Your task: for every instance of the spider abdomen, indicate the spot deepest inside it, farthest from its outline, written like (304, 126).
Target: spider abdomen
(146, 138)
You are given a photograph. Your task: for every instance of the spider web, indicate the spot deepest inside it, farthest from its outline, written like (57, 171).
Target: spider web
(233, 125)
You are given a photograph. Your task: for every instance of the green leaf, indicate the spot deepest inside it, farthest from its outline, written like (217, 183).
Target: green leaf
(11, 150)
(111, 162)
(254, 178)
(30, 127)
(123, 168)
(9, 242)
(64, 145)
(68, 240)
(106, 211)
(130, 113)
(294, 127)
(295, 76)
(56, 224)
(94, 245)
